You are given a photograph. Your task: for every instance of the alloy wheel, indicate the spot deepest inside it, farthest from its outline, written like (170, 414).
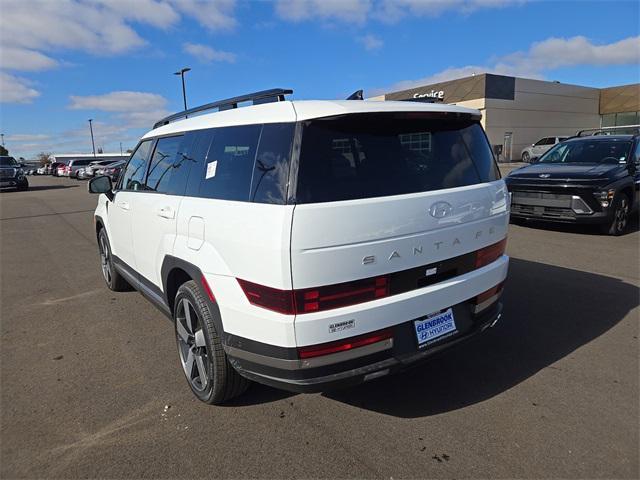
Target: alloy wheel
(105, 261)
(622, 214)
(192, 346)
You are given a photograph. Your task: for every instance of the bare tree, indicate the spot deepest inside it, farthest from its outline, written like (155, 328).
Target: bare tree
(43, 158)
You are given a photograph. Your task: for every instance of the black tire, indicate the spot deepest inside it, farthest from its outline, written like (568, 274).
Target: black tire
(23, 187)
(620, 218)
(112, 277)
(526, 157)
(200, 349)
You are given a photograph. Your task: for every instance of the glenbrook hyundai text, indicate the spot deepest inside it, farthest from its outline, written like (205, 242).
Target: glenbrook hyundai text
(309, 244)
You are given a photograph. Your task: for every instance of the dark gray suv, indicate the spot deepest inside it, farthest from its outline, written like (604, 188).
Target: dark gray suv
(12, 174)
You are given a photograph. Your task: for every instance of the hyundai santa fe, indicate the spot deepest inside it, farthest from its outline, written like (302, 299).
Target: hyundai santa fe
(309, 245)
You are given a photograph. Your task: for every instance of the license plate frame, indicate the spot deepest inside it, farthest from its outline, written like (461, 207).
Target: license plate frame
(435, 327)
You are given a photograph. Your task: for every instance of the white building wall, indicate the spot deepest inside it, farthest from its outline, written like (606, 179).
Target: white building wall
(540, 109)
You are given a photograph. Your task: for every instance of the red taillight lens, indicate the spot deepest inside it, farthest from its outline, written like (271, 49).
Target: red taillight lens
(341, 294)
(489, 254)
(315, 299)
(342, 345)
(267, 297)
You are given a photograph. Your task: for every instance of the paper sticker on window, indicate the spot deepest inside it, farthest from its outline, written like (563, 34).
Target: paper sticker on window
(211, 169)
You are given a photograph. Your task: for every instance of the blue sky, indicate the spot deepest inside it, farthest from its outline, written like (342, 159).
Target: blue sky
(64, 61)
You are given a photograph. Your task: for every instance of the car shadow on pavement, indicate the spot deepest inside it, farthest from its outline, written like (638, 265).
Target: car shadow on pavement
(549, 312)
(51, 187)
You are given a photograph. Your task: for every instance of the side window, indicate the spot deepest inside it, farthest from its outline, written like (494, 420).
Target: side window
(133, 177)
(163, 161)
(229, 163)
(271, 170)
(540, 142)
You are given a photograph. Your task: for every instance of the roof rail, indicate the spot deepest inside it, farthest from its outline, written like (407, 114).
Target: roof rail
(607, 130)
(263, 96)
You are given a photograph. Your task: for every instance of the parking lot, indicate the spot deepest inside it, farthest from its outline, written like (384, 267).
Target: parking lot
(92, 387)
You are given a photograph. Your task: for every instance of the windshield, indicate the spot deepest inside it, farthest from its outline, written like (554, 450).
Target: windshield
(588, 151)
(8, 162)
(375, 155)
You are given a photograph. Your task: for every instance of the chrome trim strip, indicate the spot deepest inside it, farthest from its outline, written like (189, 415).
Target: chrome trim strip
(321, 361)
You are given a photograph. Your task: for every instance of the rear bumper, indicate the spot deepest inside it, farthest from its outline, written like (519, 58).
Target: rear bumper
(356, 366)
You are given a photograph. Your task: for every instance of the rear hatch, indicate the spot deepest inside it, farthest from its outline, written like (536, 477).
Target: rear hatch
(378, 193)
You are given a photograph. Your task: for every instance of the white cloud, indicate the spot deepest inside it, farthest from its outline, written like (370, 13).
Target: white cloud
(31, 29)
(371, 42)
(206, 54)
(391, 11)
(542, 57)
(118, 102)
(387, 11)
(15, 58)
(349, 11)
(213, 15)
(131, 109)
(27, 137)
(564, 52)
(16, 90)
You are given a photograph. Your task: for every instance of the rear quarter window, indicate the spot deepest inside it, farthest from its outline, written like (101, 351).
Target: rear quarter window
(228, 163)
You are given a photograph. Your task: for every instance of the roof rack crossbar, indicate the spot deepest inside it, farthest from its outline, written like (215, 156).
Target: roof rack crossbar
(263, 96)
(596, 131)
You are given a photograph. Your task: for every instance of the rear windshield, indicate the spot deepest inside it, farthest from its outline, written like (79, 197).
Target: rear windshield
(377, 155)
(588, 151)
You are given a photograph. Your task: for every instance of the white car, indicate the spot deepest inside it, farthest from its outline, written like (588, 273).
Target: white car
(309, 244)
(536, 150)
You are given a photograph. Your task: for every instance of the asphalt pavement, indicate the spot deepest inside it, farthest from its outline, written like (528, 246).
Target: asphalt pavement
(91, 385)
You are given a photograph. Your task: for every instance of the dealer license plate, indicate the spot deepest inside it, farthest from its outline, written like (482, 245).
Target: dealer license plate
(434, 327)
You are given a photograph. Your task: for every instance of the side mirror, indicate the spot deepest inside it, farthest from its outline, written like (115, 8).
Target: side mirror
(101, 184)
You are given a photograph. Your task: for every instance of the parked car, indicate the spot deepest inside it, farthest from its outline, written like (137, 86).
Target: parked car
(309, 244)
(57, 168)
(112, 170)
(536, 150)
(71, 168)
(12, 174)
(587, 179)
(90, 170)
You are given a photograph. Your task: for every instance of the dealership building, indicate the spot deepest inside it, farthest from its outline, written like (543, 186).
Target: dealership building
(517, 112)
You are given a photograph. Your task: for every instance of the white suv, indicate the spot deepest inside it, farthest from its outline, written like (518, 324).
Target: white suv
(309, 244)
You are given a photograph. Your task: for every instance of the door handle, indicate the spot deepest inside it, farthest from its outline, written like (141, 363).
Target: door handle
(124, 205)
(166, 212)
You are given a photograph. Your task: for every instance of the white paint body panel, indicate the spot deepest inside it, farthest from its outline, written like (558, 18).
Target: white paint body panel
(287, 246)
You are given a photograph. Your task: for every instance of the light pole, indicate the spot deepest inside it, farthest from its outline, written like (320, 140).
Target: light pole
(92, 142)
(2, 135)
(120, 148)
(184, 92)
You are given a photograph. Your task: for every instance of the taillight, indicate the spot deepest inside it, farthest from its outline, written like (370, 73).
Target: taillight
(343, 345)
(341, 294)
(267, 297)
(489, 254)
(315, 299)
